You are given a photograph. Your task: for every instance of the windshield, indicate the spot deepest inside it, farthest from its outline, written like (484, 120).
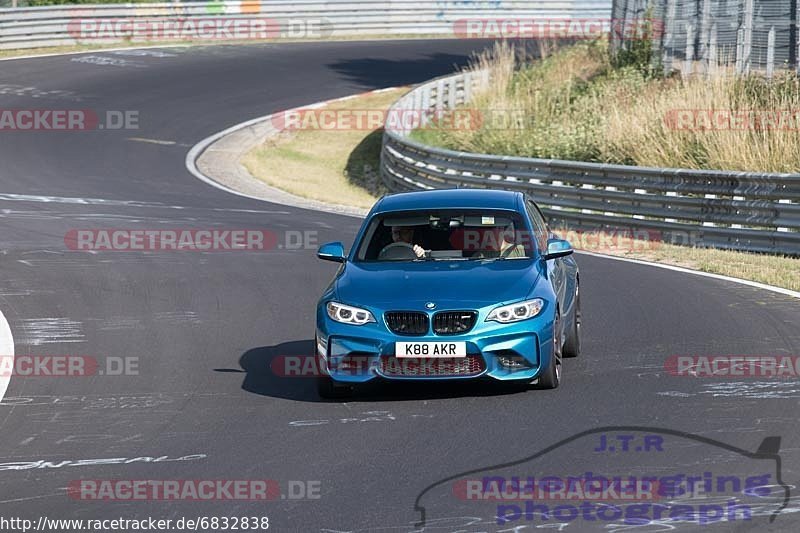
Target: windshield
(445, 235)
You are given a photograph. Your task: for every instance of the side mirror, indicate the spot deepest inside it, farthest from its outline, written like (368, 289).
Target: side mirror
(332, 251)
(557, 248)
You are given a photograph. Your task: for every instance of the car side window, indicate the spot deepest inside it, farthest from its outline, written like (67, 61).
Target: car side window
(539, 225)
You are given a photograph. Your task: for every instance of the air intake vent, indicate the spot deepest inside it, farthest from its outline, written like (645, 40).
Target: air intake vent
(407, 322)
(453, 322)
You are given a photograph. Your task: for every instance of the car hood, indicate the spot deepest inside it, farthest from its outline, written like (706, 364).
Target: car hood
(447, 283)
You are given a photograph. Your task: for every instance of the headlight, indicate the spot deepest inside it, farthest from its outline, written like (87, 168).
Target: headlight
(349, 315)
(516, 312)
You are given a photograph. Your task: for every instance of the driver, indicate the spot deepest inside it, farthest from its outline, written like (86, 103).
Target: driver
(405, 234)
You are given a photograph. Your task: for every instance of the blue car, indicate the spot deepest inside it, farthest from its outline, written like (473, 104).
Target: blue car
(449, 285)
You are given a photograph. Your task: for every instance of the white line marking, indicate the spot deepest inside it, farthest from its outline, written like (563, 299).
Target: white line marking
(764, 286)
(197, 150)
(51, 330)
(68, 200)
(56, 464)
(7, 349)
(33, 497)
(58, 54)
(101, 201)
(152, 141)
(105, 61)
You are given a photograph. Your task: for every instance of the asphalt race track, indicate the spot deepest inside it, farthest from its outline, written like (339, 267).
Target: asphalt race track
(206, 326)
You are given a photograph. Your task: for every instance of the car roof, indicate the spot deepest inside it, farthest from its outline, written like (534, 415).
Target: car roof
(450, 199)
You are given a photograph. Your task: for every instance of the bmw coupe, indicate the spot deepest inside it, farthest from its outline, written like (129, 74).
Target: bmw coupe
(449, 284)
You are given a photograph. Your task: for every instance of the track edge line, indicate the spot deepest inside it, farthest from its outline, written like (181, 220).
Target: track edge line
(684, 270)
(7, 350)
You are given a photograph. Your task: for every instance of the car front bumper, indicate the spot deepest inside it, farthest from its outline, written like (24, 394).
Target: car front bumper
(358, 354)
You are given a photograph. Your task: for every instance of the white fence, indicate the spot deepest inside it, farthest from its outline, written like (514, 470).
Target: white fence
(699, 36)
(27, 27)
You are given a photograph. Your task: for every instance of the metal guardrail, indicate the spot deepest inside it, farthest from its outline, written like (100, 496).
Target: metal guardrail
(734, 210)
(60, 25)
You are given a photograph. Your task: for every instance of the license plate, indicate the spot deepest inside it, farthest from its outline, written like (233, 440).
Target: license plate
(430, 349)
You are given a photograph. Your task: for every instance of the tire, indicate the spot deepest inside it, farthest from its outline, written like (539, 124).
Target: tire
(572, 346)
(551, 377)
(327, 389)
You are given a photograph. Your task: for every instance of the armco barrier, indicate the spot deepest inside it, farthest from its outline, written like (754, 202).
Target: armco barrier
(28, 27)
(734, 210)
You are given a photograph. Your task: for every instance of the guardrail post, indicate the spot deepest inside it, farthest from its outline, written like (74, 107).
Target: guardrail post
(740, 50)
(409, 110)
(711, 65)
(797, 37)
(689, 58)
(451, 94)
(667, 50)
(484, 79)
(439, 98)
(747, 43)
(771, 52)
(705, 32)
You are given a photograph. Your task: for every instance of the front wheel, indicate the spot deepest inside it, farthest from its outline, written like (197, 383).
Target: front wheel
(551, 377)
(328, 389)
(572, 346)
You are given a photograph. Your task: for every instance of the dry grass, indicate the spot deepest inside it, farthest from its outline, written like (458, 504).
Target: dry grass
(577, 106)
(335, 166)
(649, 132)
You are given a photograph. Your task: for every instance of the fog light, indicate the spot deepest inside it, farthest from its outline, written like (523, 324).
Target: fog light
(513, 361)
